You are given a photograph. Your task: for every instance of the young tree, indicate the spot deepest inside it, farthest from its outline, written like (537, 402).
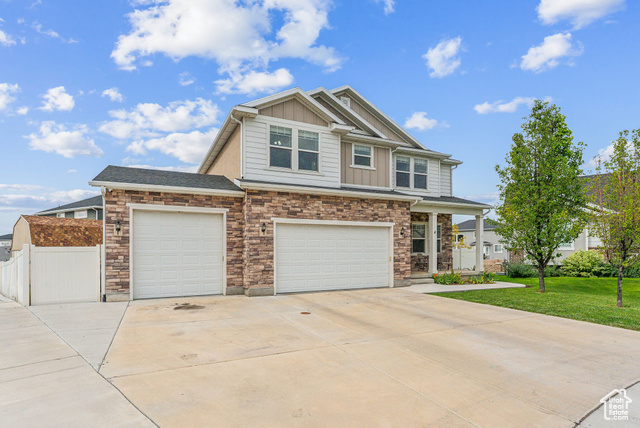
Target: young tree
(615, 190)
(543, 204)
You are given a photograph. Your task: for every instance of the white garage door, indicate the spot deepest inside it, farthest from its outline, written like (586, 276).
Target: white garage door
(329, 257)
(177, 254)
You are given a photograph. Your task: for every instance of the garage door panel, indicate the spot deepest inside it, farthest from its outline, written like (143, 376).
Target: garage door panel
(177, 254)
(331, 257)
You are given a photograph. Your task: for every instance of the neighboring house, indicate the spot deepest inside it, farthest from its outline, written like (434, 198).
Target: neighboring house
(492, 248)
(300, 191)
(5, 247)
(42, 231)
(90, 208)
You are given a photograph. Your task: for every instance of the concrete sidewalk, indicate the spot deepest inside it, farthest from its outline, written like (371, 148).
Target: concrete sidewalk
(44, 382)
(437, 288)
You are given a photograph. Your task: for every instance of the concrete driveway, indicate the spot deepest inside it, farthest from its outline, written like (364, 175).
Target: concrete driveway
(363, 358)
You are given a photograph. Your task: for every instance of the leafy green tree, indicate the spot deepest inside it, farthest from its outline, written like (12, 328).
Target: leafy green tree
(615, 191)
(542, 201)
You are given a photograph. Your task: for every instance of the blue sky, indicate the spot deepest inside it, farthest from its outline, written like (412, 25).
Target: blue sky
(147, 82)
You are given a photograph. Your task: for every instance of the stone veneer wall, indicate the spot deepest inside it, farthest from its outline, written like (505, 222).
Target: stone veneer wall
(445, 257)
(117, 247)
(261, 206)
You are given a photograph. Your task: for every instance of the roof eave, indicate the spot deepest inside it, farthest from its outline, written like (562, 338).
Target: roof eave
(170, 189)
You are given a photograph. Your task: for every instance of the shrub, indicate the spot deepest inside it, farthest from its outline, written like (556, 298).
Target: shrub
(447, 279)
(520, 270)
(551, 271)
(585, 264)
(488, 278)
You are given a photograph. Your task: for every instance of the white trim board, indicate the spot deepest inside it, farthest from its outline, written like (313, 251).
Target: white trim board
(166, 189)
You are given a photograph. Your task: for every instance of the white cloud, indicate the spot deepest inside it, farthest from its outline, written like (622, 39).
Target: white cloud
(549, 54)
(57, 99)
(50, 33)
(185, 79)
(150, 119)
(503, 107)
(113, 94)
(443, 59)
(6, 39)
(491, 198)
(239, 36)
(420, 121)
(22, 110)
(605, 154)
(255, 82)
(20, 187)
(389, 6)
(580, 12)
(187, 147)
(53, 137)
(6, 97)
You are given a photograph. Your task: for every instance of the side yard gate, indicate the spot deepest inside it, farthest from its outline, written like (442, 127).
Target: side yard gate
(46, 275)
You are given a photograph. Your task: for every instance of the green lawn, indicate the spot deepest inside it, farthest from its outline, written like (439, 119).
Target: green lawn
(584, 299)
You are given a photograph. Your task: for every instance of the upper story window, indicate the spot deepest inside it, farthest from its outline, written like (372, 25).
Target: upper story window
(308, 150)
(419, 173)
(403, 171)
(412, 172)
(280, 147)
(362, 156)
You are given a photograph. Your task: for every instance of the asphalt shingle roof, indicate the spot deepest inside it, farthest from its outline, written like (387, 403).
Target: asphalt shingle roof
(489, 224)
(7, 236)
(95, 201)
(155, 177)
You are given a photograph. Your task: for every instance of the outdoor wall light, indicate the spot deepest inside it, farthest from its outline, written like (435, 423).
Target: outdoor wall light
(263, 228)
(402, 232)
(118, 228)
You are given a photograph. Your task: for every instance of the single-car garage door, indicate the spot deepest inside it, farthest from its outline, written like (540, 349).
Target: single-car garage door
(314, 257)
(177, 254)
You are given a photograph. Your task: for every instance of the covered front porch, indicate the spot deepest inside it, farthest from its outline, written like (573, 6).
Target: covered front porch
(432, 240)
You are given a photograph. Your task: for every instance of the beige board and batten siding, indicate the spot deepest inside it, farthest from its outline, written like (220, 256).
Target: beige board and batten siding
(256, 166)
(335, 111)
(293, 110)
(228, 161)
(373, 120)
(378, 177)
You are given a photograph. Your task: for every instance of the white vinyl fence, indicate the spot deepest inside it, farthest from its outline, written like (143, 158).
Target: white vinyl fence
(44, 275)
(464, 258)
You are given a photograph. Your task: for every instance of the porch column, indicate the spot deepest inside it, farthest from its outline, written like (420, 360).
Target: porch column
(479, 243)
(433, 237)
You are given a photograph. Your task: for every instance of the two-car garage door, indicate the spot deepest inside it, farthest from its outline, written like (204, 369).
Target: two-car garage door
(177, 254)
(314, 257)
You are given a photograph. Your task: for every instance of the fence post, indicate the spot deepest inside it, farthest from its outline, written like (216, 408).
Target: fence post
(100, 249)
(25, 287)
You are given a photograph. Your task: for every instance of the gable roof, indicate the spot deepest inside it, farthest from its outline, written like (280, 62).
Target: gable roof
(489, 224)
(63, 232)
(120, 177)
(378, 113)
(93, 202)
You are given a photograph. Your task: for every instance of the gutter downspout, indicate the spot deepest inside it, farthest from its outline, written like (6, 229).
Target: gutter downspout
(103, 270)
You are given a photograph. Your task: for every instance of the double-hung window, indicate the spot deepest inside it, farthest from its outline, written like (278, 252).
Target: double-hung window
(419, 173)
(497, 248)
(308, 150)
(418, 237)
(280, 147)
(403, 171)
(362, 156)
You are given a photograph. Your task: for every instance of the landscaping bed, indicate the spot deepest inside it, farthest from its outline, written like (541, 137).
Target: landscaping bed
(583, 299)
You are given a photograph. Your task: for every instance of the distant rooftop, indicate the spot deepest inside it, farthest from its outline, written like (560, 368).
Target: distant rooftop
(94, 201)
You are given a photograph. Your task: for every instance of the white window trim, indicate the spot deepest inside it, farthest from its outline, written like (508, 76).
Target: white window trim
(426, 227)
(294, 150)
(411, 173)
(567, 247)
(308, 151)
(353, 154)
(496, 251)
(439, 226)
(486, 250)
